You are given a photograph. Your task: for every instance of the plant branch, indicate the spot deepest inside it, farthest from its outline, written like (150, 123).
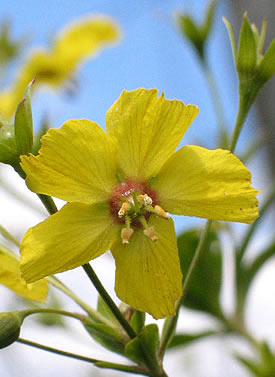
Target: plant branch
(108, 300)
(172, 321)
(101, 363)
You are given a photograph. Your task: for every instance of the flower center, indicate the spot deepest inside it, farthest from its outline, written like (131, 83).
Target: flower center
(132, 203)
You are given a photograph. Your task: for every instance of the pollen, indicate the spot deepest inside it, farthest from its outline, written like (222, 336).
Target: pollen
(131, 204)
(124, 209)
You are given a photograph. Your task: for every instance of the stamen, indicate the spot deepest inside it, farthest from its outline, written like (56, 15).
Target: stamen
(126, 234)
(160, 212)
(145, 199)
(123, 210)
(150, 232)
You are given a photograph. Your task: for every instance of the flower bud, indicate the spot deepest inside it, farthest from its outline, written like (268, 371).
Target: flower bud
(8, 151)
(10, 324)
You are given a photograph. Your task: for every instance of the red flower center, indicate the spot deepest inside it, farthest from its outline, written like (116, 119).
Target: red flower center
(123, 193)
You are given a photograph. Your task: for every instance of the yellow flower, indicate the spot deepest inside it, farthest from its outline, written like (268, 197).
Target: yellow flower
(10, 277)
(120, 186)
(52, 67)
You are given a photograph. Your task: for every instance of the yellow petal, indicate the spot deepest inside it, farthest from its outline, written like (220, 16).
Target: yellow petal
(84, 37)
(52, 67)
(45, 67)
(77, 162)
(148, 275)
(213, 184)
(72, 237)
(10, 276)
(148, 129)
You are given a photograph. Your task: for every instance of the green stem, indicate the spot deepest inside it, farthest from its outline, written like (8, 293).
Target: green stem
(9, 236)
(93, 314)
(247, 95)
(108, 300)
(48, 203)
(241, 250)
(28, 312)
(101, 363)
(172, 321)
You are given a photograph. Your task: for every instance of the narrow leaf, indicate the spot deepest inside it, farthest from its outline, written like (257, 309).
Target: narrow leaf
(23, 123)
(231, 37)
(247, 52)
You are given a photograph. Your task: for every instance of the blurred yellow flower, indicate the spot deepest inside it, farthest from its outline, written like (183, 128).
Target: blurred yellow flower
(54, 66)
(10, 276)
(119, 186)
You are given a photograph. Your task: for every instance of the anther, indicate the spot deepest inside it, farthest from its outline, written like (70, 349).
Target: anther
(124, 209)
(145, 199)
(126, 234)
(150, 232)
(160, 212)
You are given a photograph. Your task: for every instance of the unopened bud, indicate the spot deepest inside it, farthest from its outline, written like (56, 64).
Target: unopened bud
(10, 324)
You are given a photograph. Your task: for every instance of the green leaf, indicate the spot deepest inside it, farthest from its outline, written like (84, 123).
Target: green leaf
(104, 309)
(209, 17)
(137, 321)
(263, 365)
(181, 340)
(247, 51)
(266, 68)
(23, 123)
(8, 152)
(108, 337)
(147, 341)
(192, 32)
(204, 289)
(231, 37)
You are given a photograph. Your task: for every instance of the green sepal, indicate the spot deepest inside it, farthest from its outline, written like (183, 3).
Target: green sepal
(137, 321)
(197, 34)
(8, 151)
(192, 32)
(231, 37)
(104, 309)
(109, 337)
(180, 340)
(10, 325)
(247, 50)
(146, 343)
(263, 365)
(266, 68)
(204, 290)
(209, 18)
(23, 126)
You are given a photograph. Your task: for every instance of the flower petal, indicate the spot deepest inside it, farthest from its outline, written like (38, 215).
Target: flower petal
(76, 163)
(71, 237)
(213, 184)
(84, 37)
(148, 129)
(148, 275)
(10, 276)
